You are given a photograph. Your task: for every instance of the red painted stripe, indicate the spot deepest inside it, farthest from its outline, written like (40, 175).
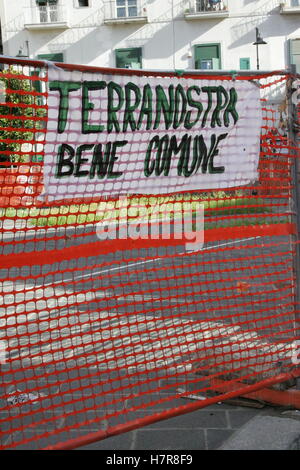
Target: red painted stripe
(111, 246)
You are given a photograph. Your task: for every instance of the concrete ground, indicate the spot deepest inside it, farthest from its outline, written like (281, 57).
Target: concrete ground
(217, 427)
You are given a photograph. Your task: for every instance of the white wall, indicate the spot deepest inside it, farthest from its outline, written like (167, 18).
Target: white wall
(165, 43)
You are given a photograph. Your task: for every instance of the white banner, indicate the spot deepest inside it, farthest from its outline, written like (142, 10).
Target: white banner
(117, 135)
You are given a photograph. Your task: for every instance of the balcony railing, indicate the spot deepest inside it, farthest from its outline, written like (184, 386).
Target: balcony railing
(46, 17)
(290, 7)
(125, 11)
(201, 9)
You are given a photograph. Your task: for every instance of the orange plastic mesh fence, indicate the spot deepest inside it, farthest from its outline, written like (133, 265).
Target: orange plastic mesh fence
(114, 309)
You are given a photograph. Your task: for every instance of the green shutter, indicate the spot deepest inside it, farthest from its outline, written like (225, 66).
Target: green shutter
(56, 57)
(244, 63)
(36, 84)
(129, 58)
(208, 56)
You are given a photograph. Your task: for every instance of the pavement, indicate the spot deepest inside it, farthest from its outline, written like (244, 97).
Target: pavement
(233, 425)
(217, 427)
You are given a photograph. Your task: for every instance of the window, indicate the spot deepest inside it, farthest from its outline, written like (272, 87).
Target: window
(208, 5)
(295, 53)
(46, 3)
(126, 8)
(48, 10)
(245, 63)
(129, 58)
(82, 3)
(295, 3)
(208, 57)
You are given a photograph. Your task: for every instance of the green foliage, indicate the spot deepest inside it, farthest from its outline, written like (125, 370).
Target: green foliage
(18, 135)
(144, 207)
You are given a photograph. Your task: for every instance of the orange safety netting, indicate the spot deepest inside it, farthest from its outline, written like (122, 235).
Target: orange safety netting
(103, 335)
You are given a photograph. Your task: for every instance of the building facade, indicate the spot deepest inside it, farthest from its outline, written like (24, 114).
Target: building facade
(155, 34)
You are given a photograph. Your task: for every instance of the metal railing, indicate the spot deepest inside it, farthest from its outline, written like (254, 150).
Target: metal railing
(207, 6)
